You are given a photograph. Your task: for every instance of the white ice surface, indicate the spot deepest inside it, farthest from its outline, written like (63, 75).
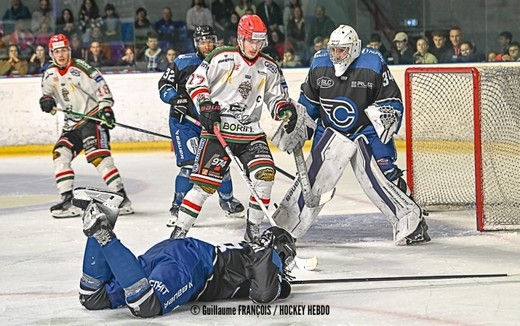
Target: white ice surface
(40, 257)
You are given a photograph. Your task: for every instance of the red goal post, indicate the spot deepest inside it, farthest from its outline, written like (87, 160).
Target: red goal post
(463, 141)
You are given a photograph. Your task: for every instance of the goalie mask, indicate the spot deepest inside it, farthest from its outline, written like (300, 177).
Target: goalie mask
(344, 47)
(57, 42)
(284, 244)
(251, 29)
(204, 39)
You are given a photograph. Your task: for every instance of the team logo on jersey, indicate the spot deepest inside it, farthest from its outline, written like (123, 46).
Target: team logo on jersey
(74, 72)
(65, 94)
(271, 67)
(342, 112)
(237, 111)
(325, 82)
(245, 89)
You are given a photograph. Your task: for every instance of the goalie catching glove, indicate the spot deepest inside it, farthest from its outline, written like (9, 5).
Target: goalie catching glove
(385, 120)
(287, 112)
(47, 103)
(107, 115)
(209, 115)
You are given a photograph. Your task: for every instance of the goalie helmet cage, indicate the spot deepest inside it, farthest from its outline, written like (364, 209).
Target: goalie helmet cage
(463, 141)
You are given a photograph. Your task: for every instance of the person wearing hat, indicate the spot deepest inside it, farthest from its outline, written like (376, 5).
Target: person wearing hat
(403, 54)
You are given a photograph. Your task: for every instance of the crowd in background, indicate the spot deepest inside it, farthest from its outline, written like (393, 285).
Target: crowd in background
(99, 36)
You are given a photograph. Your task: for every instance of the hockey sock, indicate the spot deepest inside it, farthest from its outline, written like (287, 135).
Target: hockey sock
(225, 191)
(182, 185)
(95, 264)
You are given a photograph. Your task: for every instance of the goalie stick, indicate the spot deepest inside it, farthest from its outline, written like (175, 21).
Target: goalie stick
(301, 263)
(86, 116)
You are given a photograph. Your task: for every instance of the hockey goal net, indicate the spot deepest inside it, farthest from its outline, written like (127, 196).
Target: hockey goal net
(463, 141)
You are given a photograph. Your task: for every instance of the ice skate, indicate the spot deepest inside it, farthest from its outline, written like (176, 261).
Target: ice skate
(174, 213)
(125, 208)
(252, 232)
(420, 235)
(178, 233)
(96, 223)
(65, 209)
(233, 208)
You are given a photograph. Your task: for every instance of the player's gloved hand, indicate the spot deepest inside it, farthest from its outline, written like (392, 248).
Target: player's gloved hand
(179, 107)
(107, 115)
(47, 103)
(288, 113)
(209, 115)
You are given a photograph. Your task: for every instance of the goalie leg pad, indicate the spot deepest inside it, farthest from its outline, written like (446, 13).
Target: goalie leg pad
(325, 166)
(400, 210)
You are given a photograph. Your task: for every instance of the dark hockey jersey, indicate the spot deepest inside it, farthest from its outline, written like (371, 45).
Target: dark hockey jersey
(339, 102)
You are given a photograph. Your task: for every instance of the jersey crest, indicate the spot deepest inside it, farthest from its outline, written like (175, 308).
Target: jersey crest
(341, 112)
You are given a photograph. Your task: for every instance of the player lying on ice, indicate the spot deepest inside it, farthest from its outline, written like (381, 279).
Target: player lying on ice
(355, 107)
(175, 271)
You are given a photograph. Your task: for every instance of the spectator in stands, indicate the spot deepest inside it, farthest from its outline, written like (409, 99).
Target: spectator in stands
(96, 57)
(492, 56)
(22, 37)
(199, 14)
(271, 14)
(231, 27)
(504, 39)
(43, 35)
(453, 52)
(128, 59)
(15, 65)
(290, 60)
(112, 23)
(165, 28)
(318, 44)
(403, 55)
(440, 48)
(376, 43)
(15, 12)
(513, 53)
(39, 60)
(65, 24)
(153, 55)
(171, 54)
(296, 33)
(422, 55)
(142, 27)
(277, 39)
(469, 53)
(288, 11)
(321, 25)
(221, 11)
(42, 15)
(243, 6)
(97, 35)
(77, 50)
(88, 19)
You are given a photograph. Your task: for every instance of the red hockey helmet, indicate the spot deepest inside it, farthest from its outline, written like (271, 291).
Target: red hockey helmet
(56, 42)
(251, 27)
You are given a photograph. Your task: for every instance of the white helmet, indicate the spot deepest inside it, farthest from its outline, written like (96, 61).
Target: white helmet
(344, 47)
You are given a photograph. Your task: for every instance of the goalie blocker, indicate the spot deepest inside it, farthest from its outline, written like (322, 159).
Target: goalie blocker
(325, 167)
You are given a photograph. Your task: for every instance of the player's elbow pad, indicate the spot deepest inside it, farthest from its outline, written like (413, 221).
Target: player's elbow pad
(167, 94)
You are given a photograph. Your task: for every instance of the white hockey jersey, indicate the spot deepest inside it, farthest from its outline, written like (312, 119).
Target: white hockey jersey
(79, 87)
(240, 87)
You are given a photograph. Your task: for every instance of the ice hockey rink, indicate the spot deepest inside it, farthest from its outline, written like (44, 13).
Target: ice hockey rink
(41, 257)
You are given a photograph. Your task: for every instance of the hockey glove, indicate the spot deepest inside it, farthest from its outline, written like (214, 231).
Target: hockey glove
(179, 107)
(209, 115)
(47, 103)
(287, 112)
(107, 115)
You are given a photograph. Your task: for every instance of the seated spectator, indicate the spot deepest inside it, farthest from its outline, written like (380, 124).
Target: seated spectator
(199, 14)
(76, 47)
(221, 11)
(271, 14)
(88, 19)
(153, 55)
(15, 65)
(44, 34)
(171, 54)
(243, 6)
(15, 12)
(97, 35)
(42, 15)
(288, 11)
(165, 27)
(492, 56)
(440, 49)
(232, 25)
(65, 24)
(277, 40)
(321, 25)
(142, 27)
(112, 23)
(39, 60)
(128, 59)
(468, 53)
(513, 53)
(289, 60)
(22, 37)
(403, 54)
(422, 55)
(96, 57)
(504, 39)
(375, 43)
(295, 30)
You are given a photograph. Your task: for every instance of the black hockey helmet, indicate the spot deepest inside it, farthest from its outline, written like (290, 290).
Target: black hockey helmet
(283, 242)
(203, 30)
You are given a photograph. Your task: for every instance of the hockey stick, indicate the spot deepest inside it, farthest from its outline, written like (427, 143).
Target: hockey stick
(85, 116)
(396, 278)
(301, 263)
